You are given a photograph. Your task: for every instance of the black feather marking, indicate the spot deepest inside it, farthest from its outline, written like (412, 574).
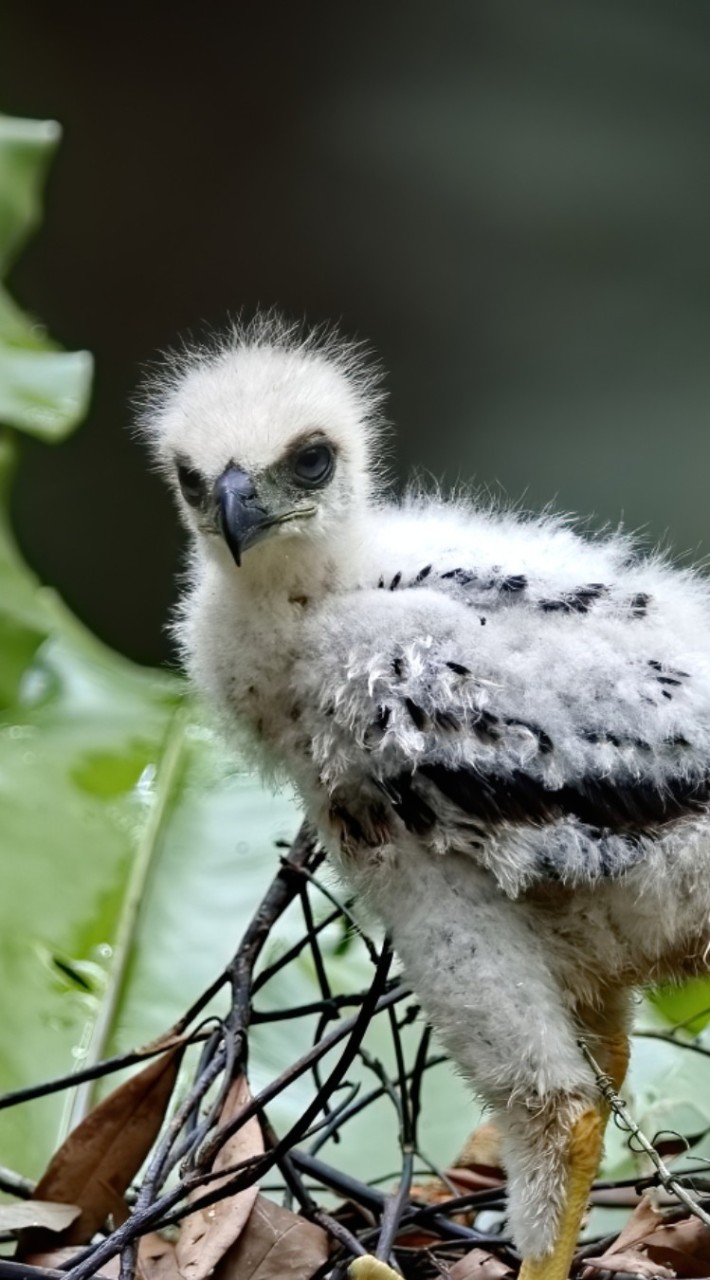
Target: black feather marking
(614, 740)
(666, 694)
(486, 726)
(349, 822)
(458, 668)
(544, 741)
(668, 675)
(382, 718)
(381, 583)
(418, 717)
(516, 582)
(423, 573)
(631, 808)
(398, 666)
(446, 721)
(463, 577)
(395, 581)
(578, 601)
(639, 603)
(416, 814)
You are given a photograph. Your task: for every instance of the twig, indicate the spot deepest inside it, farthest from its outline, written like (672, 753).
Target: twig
(98, 1070)
(670, 1037)
(625, 1122)
(13, 1184)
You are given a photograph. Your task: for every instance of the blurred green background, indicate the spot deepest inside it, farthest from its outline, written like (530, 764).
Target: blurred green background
(509, 199)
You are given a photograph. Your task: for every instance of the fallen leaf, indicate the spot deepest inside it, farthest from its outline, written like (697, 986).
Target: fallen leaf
(157, 1259)
(275, 1245)
(37, 1213)
(482, 1151)
(475, 1178)
(644, 1220)
(207, 1235)
(630, 1262)
(688, 1236)
(59, 1259)
(479, 1265)
(98, 1160)
(656, 1246)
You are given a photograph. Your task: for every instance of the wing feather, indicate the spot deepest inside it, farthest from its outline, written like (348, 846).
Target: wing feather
(546, 721)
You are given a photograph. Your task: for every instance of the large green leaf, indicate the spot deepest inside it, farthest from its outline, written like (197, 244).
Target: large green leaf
(43, 390)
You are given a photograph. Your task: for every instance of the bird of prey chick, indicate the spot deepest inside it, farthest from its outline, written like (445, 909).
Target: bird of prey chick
(500, 730)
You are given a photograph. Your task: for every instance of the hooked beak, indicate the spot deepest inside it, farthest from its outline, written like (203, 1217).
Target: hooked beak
(242, 518)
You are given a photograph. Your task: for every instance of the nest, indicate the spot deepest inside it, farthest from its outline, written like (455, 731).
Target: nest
(165, 1178)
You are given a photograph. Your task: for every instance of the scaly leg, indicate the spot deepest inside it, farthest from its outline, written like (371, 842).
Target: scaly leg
(584, 1154)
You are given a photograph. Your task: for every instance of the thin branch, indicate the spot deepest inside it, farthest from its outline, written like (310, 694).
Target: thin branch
(14, 1184)
(625, 1122)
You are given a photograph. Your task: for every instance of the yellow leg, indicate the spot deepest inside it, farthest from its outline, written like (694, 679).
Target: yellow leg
(583, 1161)
(616, 1058)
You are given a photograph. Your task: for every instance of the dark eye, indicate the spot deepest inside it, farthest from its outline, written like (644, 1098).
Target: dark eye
(192, 485)
(314, 465)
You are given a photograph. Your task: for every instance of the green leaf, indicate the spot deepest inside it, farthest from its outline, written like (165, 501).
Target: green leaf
(689, 1004)
(26, 150)
(43, 391)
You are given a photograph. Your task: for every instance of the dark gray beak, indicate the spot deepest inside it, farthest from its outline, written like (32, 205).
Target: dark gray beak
(242, 518)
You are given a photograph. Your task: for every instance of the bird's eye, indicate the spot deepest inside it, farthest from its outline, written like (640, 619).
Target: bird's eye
(192, 484)
(314, 465)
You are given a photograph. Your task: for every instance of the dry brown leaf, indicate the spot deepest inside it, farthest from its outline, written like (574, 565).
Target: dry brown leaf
(644, 1220)
(630, 1262)
(157, 1258)
(479, 1265)
(688, 1236)
(482, 1150)
(97, 1161)
(58, 1260)
(207, 1235)
(677, 1248)
(478, 1178)
(37, 1213)
(275, 1245)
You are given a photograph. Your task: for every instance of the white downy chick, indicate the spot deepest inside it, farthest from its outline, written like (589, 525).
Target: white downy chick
(499, 728)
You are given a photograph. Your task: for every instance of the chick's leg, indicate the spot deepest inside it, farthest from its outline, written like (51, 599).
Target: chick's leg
(481, 968)
(606, 1031)
(583, 1156)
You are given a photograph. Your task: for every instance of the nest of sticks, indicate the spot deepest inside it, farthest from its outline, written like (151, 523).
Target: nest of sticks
(180, 1173)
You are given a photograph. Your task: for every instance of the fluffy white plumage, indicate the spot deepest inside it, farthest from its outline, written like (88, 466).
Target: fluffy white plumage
(500, 729)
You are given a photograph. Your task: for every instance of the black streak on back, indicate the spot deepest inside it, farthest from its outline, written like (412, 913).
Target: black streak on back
(631, 808)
